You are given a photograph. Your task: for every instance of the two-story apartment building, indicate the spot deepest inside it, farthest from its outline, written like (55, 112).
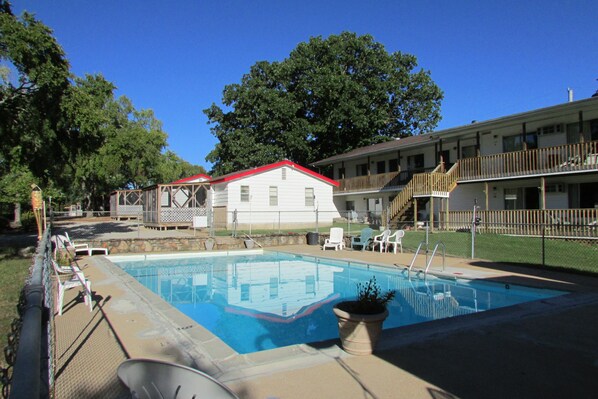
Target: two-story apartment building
(539, 166)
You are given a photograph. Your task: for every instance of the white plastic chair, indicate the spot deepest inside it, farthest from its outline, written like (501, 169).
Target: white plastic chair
(380, 240)
(64, 269)
(77, 280)
(148, 379)
(336, 240)
(395, 240)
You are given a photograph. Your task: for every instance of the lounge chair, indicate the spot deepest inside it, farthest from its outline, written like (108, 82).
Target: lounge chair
(395, 240)
(63, 241)
(73, 244)
(148, 378)
(380, 240)
(363, 240)
(77, 280)
(336, 239)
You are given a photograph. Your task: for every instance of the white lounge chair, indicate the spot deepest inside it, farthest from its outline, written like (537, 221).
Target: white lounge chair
(336, 239)
(77, 280)
(380, 240)
(395, 240)
(148, 378)
(63, 241)
(74, 244)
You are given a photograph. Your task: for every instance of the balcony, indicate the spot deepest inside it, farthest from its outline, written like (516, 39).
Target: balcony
(572, 158)
(378, 182)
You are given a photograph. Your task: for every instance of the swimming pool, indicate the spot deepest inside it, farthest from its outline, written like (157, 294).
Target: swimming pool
(263, 300)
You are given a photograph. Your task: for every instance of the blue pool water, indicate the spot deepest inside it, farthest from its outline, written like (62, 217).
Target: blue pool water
(270, 300)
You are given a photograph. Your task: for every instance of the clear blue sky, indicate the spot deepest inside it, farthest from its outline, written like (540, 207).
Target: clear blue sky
(491, 58)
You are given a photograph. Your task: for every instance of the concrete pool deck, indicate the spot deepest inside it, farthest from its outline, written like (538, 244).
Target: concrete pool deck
(542, 349)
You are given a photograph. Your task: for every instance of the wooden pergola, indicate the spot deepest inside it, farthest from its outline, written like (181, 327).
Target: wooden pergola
(174, 205)
(125, 204)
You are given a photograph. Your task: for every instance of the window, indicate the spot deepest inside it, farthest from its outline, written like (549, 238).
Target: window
(350, 205)
(415, 161)
(511, 199)
(284, 173)
(309, 196)
(244, 193)
(361, 170)
(468, 151)
(273, 287)
(341, 173)
(245, 292)
(310, 284)
(165, 199)
(594, 129)
(273, 196)
(381, 167)
(201, 195)
(515, 143)
(393, 165)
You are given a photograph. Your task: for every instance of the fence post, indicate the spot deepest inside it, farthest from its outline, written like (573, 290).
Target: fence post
(543, 246)
(348, 215)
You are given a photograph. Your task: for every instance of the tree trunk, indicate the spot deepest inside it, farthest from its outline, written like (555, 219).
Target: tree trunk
(17, 222)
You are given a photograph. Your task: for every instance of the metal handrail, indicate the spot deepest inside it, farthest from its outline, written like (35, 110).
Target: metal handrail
(432, 257)
(415, 257)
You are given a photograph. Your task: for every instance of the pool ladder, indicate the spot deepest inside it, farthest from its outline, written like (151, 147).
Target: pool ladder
(428, 261)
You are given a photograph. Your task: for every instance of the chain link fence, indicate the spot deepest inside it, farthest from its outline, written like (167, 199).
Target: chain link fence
(568, 246)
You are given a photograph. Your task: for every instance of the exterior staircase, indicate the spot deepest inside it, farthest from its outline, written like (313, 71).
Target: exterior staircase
(423, 185)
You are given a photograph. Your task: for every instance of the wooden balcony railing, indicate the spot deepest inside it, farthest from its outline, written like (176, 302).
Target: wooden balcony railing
(379, 181)
(426, 184)
(557, 222)
(422, 184)
(559, 159)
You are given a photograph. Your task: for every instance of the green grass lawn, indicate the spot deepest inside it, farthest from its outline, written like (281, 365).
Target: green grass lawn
(13, 272)
(558, 253)
(568, 254)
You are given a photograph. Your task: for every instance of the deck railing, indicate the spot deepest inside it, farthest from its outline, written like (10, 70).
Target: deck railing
(561, 222)
(380, 181)
(548, 160)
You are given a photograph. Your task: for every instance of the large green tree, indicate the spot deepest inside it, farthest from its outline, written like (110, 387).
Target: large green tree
(172, 167)
(328, 97)
(112, 145)
(35, 75)
(69, 135)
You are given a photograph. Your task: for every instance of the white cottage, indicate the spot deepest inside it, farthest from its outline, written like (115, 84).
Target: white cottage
(280, 195)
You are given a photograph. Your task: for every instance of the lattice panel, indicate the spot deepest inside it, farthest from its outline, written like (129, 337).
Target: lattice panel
(181, 215)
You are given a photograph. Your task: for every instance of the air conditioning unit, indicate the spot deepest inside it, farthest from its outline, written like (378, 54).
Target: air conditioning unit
(551, 129)
(556, 188)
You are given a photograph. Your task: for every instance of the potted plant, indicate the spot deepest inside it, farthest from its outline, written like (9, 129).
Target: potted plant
(360, 321)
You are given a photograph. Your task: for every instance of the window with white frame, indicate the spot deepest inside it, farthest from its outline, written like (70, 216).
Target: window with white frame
(244, 193)
(273, 196)
(309, 196)
(245, 292)
(273, 287)
(310, 284)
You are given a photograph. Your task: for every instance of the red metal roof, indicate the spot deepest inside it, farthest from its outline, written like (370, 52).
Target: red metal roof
(249, 172)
